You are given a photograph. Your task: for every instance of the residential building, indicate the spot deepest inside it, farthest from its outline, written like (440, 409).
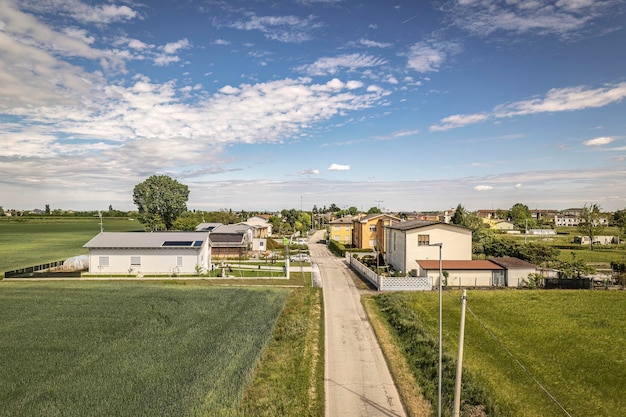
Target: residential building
(231, 240)
(159, 253)
(261, 224)
(408, 242)
(340, 230)
(369, 231)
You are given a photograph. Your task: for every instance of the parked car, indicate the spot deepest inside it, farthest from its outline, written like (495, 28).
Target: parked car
(299, 257)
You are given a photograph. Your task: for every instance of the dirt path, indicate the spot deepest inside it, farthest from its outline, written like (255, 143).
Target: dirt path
(357, 380)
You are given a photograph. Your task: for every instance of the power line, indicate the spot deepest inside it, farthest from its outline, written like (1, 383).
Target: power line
(504, 348)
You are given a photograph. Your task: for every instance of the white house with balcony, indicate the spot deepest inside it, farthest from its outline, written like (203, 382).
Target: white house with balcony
(413, 240)
(153, 253)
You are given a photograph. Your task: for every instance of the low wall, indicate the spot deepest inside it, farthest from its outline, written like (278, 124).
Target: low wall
(382, 283)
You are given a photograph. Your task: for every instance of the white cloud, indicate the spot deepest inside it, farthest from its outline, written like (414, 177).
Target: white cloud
(556, 100)
(309, 172)
(458, 120)
(221, 42)
(598, 141)
(289, 29)
(540, 17)
(483, 188)
(331, 65)
(107, 13)
(565, 99)
(173, 47)
(519, 185)
(429, 56)
(338, 167)
(373, 44)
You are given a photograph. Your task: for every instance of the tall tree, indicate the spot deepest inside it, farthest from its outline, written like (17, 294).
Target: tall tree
(619, 217)
(590, 222)
(160, 200)
(47, 209)
(374, 210)
(459, 215)
(519, 215)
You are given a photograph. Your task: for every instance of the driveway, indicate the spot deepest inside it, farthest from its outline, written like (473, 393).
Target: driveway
(357, 381)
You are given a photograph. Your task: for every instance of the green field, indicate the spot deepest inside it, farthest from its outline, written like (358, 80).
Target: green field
(127, 349)
(31, 241)
(571, 342)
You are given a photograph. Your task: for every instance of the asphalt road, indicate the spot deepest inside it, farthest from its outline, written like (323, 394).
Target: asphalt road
(357, 381)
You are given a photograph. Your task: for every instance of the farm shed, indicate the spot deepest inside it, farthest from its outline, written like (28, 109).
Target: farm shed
(162, 253)
(472, 273)
(515, 270)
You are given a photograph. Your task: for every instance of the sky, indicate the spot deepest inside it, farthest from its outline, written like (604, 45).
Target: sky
(270, 105)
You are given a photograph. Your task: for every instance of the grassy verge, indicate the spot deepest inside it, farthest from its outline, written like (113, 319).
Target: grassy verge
(571, 342)
(415, 403)
(290, 378)
(128, 349)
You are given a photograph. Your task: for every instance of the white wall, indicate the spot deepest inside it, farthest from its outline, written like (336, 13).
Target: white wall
(153, 261)
(403, 250)
(464, 278)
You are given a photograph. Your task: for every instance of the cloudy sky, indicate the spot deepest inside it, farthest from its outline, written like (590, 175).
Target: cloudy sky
(264, 105)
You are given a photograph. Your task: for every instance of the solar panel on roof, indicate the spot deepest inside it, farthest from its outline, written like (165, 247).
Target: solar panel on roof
(177, 243)
(198, 243)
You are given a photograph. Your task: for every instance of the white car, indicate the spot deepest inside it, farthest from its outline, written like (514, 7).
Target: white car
(299, 257)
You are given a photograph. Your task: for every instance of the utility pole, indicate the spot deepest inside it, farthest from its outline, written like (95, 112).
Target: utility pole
(459, 360)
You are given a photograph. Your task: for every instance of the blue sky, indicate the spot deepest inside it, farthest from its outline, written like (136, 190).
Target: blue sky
(265, 105)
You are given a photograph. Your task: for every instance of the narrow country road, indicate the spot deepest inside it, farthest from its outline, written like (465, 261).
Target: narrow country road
(357, 381)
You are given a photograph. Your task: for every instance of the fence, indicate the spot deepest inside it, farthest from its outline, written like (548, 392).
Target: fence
(43, 270)
(382, 283)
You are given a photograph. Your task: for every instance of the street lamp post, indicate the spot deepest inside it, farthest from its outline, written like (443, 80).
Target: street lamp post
(440, 245)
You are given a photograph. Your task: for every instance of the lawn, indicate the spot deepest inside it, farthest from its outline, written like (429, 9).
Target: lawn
(129, 349)
(570, 342)
(31, 241)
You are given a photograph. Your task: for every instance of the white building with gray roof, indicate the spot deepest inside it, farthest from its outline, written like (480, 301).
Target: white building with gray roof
(155, 253)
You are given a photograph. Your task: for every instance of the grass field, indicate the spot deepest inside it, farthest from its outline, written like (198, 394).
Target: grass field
(564, 240)
(571, 342)
(31, 241)
(127, 349)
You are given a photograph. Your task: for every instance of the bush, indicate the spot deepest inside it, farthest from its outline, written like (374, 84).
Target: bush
(337, 248)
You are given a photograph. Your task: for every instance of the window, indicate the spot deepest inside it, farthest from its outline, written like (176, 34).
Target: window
(135, 260)
(103, 261)
(179, 261)
(347, 228)
(261, 244)
(423, 240)
(336, 227)
(372, 243)
(337, 238)
(372, 228)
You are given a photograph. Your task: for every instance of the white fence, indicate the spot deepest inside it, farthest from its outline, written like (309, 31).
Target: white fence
(382, 283)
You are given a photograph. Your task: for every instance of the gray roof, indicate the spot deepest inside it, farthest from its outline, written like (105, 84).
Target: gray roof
(232, 228)
(207, 227)
(144, 239)
(513, 263)
(416, 224)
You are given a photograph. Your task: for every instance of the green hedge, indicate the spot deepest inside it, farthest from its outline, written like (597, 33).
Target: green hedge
(337, 248)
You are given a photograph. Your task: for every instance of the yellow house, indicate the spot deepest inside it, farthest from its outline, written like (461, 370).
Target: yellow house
(340, 230)
(369, 231)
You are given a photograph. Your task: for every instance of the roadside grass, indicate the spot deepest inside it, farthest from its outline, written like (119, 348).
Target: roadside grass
(569, 341)
(416, 405)
(31, 241)
(128, 349)
(290, 378)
